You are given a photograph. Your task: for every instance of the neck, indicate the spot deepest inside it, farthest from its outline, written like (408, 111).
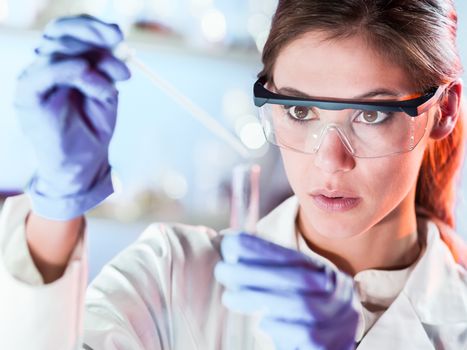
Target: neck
(391, 244)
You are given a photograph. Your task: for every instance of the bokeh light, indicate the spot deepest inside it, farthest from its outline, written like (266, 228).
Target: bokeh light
(252, 135)
(174, 184)
(213, 25)
(3, 10)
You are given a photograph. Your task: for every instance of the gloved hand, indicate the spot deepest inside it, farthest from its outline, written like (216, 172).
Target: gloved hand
(67, 106)
(304, 304)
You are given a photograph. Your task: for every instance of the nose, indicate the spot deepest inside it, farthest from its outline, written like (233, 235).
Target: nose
(332, 155)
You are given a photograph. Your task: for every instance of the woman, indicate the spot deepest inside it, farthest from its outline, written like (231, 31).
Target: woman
(363, 97)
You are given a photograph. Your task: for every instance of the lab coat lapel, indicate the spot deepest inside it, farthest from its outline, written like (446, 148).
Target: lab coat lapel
(398, 328)
(436, 287)
(434, 295)
(279, 225)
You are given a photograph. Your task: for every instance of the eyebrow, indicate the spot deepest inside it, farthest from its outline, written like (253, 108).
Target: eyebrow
(288, 91)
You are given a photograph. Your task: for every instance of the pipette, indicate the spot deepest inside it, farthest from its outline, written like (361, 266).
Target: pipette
(125, 53)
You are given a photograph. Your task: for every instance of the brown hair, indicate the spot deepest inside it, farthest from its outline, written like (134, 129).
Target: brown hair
(419, 35)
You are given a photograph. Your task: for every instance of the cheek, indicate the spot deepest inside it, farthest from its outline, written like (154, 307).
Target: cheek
(394, 177)
(389, 180)
(390, 190)
(296, 168)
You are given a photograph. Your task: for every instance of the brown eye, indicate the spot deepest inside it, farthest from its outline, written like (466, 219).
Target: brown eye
(301, 113)
(373, 117)
(370, 116)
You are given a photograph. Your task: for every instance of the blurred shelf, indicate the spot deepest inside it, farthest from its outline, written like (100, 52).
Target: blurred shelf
(139, 39)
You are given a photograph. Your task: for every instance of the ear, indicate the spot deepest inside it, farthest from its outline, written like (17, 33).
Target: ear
(448, 111)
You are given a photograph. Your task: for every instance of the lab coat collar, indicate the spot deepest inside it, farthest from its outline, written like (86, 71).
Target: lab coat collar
(397, 328)
(437, 285)
(435, 292)
(279, 225)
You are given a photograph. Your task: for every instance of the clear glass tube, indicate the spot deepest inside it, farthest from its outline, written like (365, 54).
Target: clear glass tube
(245, 197)
(243, 217)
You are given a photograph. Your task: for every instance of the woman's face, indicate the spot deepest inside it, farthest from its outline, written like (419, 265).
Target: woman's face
(384, 188)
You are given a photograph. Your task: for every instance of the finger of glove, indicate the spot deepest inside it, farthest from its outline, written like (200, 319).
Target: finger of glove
(297, 279)
(64, 45)
(293, 335)
(100, 117)
(114, 68)
(86, 29)
(249, 248)
(289, 335)
(286, 306)
(38, 80)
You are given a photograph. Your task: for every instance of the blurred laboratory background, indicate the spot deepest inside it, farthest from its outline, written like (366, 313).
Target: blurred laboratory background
(167, 167)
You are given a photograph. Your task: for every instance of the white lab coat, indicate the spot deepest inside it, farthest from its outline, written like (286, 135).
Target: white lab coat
(160, 294)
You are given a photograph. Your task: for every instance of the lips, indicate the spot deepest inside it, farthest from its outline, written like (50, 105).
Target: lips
(335, 200)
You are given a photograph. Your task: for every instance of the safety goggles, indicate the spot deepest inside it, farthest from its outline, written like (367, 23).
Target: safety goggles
(368, 128)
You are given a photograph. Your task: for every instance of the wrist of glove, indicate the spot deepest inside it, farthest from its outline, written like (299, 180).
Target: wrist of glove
(67, 106)
(303, 304)
(53, 202)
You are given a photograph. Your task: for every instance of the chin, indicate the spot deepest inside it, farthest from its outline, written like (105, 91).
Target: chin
(332, 225)
(333, 229)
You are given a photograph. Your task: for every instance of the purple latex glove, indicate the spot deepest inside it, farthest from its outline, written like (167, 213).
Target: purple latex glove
(67, 106)
(304, 304)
